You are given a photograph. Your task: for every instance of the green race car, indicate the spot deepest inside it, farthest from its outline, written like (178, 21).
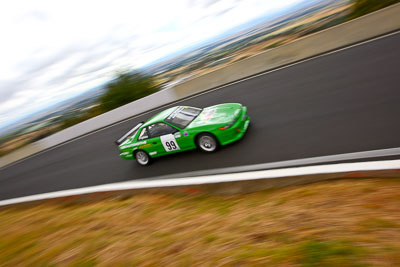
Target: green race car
(182, 128)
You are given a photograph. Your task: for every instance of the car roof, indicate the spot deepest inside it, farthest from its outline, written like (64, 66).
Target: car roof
(159, 117)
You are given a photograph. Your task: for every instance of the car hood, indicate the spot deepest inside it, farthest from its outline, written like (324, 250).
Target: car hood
(218, 114)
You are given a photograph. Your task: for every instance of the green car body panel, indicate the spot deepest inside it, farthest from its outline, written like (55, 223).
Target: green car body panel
(226, 122)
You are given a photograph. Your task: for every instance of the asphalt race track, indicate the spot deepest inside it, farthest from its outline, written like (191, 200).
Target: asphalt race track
(347, 101)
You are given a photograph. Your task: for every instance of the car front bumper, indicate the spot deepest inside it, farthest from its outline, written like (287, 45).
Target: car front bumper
(236, 131)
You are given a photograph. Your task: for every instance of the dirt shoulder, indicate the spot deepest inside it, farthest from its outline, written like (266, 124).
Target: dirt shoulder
(336, 223)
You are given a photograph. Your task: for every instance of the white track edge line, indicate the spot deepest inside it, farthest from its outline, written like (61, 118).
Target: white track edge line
(212, 179)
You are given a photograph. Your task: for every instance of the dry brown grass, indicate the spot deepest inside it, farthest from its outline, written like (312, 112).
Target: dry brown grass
(339, 223)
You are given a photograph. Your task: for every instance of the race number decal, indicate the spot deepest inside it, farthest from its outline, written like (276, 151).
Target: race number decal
(169, 142)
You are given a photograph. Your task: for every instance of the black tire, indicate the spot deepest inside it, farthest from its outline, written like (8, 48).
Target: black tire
(142, 158)
(207, 142)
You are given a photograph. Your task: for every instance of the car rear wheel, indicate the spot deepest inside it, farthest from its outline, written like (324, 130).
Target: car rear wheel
(142, 158)
(207, 142)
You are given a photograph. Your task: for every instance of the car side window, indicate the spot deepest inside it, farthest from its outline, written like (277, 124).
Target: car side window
(160, 128)
(143, 134)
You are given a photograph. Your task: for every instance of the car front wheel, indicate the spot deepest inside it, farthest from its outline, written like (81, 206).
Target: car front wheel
(207, 142)
(142, 158)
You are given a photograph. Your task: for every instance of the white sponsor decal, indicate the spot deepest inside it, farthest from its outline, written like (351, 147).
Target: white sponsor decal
(139, 143)
(169, 142)
(152, 153)
(134, 144)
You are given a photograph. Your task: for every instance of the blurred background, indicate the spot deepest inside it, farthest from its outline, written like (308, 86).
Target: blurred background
(65, 62)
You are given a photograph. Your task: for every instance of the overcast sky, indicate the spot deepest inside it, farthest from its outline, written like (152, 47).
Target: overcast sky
(53, 50)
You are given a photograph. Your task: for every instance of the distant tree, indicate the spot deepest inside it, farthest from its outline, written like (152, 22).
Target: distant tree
(127, 87)
(362, 7)
(94, 111)
(72, 121)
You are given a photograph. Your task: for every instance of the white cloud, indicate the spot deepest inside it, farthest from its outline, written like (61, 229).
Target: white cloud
(52, 50)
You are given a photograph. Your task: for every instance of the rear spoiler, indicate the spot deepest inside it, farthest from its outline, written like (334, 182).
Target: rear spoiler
(123, 138)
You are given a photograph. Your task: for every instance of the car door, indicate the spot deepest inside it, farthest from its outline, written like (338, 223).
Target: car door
(163, 139)
(146, 142)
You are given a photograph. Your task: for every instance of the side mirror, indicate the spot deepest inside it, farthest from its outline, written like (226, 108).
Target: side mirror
(177, 134)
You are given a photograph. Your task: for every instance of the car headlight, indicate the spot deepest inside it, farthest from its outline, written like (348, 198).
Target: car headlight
(229, 125)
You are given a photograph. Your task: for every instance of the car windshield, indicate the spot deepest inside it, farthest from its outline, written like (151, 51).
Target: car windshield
(183, 116)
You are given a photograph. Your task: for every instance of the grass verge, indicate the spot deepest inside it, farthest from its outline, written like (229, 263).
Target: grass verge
(336, 223)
